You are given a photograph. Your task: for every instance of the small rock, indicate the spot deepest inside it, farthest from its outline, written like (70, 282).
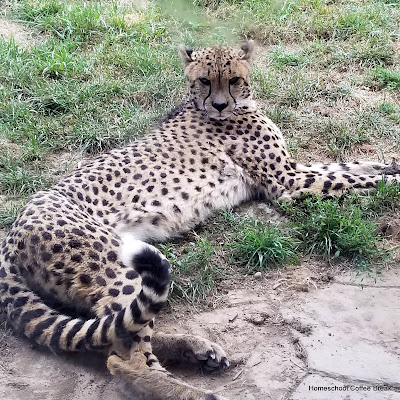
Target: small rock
(257, 275)
(256, 319)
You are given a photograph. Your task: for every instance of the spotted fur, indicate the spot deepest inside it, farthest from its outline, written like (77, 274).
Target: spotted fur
(76, 272)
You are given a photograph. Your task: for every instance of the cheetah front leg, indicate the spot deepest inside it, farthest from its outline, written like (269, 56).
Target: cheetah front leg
(194, 349)
(159, 384)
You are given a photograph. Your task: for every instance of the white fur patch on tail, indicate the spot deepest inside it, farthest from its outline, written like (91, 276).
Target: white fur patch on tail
(131, 246)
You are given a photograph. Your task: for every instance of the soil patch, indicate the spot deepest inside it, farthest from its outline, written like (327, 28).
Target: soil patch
(22, 36)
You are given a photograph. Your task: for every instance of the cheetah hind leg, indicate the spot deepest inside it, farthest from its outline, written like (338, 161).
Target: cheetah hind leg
(189, 348)
(334, 183)
(356, 168)
(159, 384)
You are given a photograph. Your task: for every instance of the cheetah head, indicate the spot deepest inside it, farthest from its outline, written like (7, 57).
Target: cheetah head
(218, 79)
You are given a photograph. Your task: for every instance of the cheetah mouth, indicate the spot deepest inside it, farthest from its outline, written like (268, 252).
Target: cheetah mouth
(219, 116)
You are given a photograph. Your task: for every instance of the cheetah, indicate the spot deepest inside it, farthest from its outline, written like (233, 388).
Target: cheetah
(77, 268)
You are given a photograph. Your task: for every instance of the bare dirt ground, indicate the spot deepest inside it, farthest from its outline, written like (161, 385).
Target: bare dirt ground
(21, 35)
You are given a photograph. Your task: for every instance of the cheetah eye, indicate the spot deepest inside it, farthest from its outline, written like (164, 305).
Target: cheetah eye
(205, 81)
(234, 80)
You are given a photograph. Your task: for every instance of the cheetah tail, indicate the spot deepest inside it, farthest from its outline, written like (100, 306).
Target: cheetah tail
(29, 315)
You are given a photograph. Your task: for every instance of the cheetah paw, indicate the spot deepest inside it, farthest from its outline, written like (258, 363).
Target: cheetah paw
(210, 355)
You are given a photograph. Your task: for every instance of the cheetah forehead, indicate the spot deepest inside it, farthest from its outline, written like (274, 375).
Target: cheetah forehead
(218, 59)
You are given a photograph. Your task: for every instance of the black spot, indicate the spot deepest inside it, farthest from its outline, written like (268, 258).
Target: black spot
(128, 289)
(155, 220)
(35, 239)
(47, 236)
(97, 246)
(78, 232)
(46, 256)
(21, 301)
(110, 273)
(94, 266)
(327, 184)
(338, 186)
(59, 265)
(75, 244)
(14, 290)
(131, 274)
(76, 258)
(101, 281)
(116, 307)
(308, 182)
(94, 255)
(104, 239)
(85, 279)
(113, 292)
(59, 234)
(112, 256)
(57, 248)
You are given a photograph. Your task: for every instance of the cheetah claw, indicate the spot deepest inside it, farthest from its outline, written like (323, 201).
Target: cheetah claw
(211, 359)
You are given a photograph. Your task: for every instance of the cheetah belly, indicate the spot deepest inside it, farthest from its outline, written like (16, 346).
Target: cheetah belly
(232, 187)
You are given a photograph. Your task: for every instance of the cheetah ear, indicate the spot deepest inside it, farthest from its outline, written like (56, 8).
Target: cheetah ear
(186, 54)
(247, 50)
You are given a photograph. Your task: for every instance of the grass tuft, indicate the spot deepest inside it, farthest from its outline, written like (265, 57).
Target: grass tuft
(257, 246)
(15, 179)
(385, 199)
(334, 230)
(193, 271)
(391, 110)
(387, 78)
(341, 138)
(8, 213)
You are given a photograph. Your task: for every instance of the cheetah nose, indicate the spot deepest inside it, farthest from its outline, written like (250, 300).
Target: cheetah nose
(220, 106)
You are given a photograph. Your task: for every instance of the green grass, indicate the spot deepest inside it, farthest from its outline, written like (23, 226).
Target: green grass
(15, 179)
(256, 246)
(8, 213)
(387, 78)
(194, 271)
(391, 110)
(281, 57)
(334, 229)
(386, 199)
(341, 139)
(342, 136)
